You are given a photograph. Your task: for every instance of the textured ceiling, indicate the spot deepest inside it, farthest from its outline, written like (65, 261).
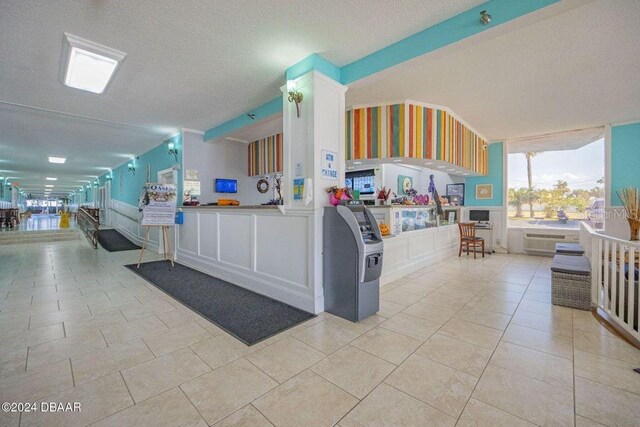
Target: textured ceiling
(575, 70)
(190, 63)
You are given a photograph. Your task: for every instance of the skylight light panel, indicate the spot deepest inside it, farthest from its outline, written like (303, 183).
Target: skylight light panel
(87, 65)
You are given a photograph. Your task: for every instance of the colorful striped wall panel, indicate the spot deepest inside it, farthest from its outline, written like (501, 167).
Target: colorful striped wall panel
(414, 131)
(265, 155)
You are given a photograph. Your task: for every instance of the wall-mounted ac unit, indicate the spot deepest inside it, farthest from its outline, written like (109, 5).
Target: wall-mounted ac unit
(546, 243)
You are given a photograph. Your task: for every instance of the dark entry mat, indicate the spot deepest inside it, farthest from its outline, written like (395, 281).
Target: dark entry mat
(246, 315)
(113, 241)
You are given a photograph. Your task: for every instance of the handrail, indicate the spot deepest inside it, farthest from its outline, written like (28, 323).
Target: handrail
(89, 225)
(614, 279)
(124, 215)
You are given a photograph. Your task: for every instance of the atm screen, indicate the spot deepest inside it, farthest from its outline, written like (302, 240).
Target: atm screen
(360, 217)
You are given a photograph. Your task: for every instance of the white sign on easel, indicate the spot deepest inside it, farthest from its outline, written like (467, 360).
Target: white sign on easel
(159, 204)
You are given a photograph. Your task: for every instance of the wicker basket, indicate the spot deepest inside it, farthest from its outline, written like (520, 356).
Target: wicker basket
(571, 290)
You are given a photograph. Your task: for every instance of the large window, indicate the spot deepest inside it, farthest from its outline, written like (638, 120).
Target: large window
(556, 185)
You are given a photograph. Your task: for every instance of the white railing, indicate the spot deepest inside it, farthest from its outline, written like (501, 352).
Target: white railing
(614, 277)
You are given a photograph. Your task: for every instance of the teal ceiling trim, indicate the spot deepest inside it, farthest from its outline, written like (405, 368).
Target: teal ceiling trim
(452, 30)
(271, 108)
(313, 62)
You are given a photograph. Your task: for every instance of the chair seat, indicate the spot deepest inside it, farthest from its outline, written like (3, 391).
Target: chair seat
(472, 239)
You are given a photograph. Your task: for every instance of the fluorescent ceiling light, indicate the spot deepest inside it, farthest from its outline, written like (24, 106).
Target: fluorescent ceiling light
(397, 160)
(51, 178)
(357, 163)
(87, 65)
(54, 159)
(441, 167)
(48, 185)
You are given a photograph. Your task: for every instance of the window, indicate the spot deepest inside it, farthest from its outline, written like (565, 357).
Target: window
(557, 181)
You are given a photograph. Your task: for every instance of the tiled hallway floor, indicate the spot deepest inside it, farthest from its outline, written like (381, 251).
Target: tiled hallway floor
(466, 342)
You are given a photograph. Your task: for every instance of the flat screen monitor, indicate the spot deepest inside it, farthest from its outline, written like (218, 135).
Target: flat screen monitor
(479, 215)
(362, 181)
(226, 185)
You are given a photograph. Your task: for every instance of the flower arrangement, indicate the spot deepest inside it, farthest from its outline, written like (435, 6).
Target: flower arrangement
(383, 194)
(339, 193)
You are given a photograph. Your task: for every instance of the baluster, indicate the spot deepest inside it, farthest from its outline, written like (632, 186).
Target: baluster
(621, 282)
(605, 270)
(631, 283)
(613, 278)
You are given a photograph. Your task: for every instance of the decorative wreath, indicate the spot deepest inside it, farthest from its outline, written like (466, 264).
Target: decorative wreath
(263, 185)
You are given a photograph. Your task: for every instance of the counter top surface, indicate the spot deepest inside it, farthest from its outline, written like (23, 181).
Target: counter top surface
(230, 207)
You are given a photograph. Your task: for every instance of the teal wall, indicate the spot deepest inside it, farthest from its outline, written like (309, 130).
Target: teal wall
(494, 177)
(159, 159)
(625, 153)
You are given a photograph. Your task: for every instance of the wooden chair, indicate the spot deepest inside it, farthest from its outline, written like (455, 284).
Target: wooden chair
(469, 240)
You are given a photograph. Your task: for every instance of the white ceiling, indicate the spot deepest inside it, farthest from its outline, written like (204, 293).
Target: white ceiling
(578, 69)
(192, 64)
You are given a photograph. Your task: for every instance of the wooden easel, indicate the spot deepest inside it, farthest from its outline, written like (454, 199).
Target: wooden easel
(165, 242)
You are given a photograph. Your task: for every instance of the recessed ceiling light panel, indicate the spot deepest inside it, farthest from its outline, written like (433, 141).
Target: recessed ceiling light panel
(49, 178)
(87, 65)
(59, 160)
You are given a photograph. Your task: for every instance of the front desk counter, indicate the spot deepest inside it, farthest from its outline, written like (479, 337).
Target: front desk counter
(421, 238)
(266, 249)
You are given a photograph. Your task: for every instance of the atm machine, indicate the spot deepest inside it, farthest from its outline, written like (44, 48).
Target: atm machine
(352, 250)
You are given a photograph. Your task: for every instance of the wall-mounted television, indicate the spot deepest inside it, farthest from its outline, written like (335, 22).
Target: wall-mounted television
(226, 185)
(362, 181)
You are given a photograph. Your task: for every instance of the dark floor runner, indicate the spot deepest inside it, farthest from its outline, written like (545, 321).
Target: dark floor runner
(113, 241)
(246, 315)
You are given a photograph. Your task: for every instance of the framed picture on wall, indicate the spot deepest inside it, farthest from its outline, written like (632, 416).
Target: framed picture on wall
(456, 190)
(147, 170)
(484, 191)
(405, 183)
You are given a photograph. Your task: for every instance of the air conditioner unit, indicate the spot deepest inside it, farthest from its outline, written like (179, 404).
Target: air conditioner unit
(546, 243)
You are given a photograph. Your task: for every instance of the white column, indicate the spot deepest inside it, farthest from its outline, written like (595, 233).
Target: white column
(319, 129)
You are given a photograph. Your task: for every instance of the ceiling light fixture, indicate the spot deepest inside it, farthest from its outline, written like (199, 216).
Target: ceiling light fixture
(397, 160)
(441, 167)
(87, 65)
(294, 95)
(172, 149)
(131, 167)
(485, 18)
(48, 185)
(357, 163)
(49, 178)
(59, 160)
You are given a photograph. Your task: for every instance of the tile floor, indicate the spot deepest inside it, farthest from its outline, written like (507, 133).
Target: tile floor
(464, 342)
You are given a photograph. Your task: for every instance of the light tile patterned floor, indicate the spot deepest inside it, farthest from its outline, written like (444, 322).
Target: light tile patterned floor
(465, 342)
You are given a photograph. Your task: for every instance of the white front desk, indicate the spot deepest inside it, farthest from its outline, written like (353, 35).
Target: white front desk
(414, 248)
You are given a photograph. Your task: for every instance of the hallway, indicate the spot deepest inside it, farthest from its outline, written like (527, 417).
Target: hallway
(463, 343)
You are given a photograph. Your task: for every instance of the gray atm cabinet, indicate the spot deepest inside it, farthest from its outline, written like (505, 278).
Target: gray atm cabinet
(352, 249)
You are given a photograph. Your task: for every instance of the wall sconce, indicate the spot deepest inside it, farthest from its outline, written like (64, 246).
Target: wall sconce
(485, 18)
(109, 177)
(172, 149)
(294, 95)
(131, 168)
(95, 184)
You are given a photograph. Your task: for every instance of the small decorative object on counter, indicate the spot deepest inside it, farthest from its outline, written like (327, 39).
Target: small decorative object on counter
(383, 195)
(434, 194)
(384, 229)
(277, 186)
(339, 193)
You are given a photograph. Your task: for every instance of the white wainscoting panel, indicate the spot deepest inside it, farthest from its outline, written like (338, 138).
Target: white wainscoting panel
(411, 251)
(263, 250)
